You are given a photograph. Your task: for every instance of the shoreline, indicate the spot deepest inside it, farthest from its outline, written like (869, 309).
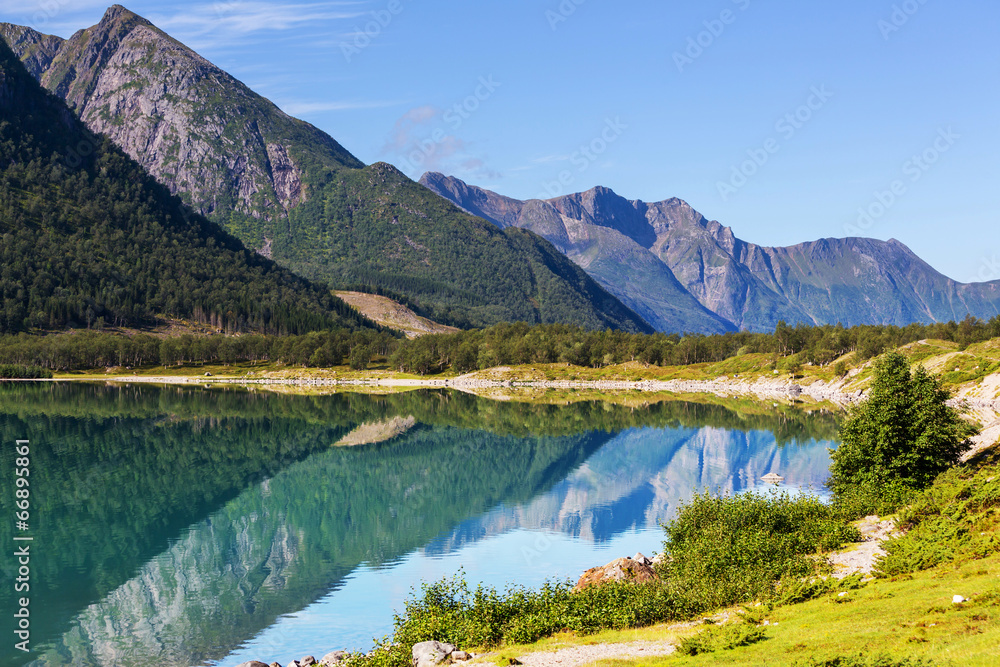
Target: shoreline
(839, 394)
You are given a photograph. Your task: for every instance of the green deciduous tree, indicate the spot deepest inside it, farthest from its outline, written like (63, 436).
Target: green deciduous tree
(898, 439)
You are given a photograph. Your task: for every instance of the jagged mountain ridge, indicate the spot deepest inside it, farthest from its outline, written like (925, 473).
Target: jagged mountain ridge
(147, 92)
(293, 193)
(852, 280)
(613, 256)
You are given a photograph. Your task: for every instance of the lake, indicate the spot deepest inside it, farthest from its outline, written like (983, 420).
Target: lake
(208, 526)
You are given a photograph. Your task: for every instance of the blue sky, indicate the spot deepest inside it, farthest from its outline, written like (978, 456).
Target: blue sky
(786, 121)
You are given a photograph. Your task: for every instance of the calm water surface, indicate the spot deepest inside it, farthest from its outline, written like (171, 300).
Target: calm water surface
(182, 526)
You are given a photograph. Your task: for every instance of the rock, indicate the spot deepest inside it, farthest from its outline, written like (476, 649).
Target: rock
(252, 663)
(640, 558)
(332, 658)
(621, 569)
(460, 655)
(275, 664)
(428, 654)
(958, 599)
(795, 390)
(307, 661)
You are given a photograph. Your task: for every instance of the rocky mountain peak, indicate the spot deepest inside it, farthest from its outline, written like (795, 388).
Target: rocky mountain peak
(224, 149)
(604, 207)
(115, 12)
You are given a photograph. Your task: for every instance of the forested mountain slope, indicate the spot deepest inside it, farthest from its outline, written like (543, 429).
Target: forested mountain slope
(91, 240)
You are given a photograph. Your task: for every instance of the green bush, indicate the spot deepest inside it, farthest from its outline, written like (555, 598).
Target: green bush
(897, 440)
(732, 549)
(450, 611)
(796, 590)
(721, 638)
(954, 520)
(19, 372)
(861, 660)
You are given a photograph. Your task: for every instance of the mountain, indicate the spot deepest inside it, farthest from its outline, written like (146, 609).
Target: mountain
(613, 255)
(852, 281)
(92, 239)
(293, 193)
(148, 93)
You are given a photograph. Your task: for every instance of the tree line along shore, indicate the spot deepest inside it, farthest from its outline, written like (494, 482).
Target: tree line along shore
(790, 349)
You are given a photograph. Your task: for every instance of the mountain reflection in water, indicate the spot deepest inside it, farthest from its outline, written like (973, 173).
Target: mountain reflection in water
(174, 526)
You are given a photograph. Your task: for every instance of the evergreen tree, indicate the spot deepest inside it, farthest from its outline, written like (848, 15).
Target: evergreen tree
(897, 440)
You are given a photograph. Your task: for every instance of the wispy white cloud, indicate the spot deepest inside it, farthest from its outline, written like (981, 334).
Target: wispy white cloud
(545, 159)
(306, 108)
(224, 21)
(54, 17)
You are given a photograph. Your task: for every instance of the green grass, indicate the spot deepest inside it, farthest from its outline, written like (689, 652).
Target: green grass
(912, 617)
(956, 520)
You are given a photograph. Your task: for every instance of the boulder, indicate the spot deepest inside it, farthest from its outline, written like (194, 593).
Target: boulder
(252, 663)
(621, 569)
(429, 654)
(307, 661)
(332, 658)
(640, 558)
(460, 655)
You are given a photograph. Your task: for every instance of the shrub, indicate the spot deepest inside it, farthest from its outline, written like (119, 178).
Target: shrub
(954, 520)
(450, 611)
(731, 549)
(897, 440)
(720, 638)
(19, 372)
(862, 660)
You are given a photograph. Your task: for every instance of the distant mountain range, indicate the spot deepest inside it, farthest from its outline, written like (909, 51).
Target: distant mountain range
(293, 193)
(683, 272)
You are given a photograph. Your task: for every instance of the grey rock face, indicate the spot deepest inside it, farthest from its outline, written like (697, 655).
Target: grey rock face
(624, 243)
(197, 129)
(604, 235)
